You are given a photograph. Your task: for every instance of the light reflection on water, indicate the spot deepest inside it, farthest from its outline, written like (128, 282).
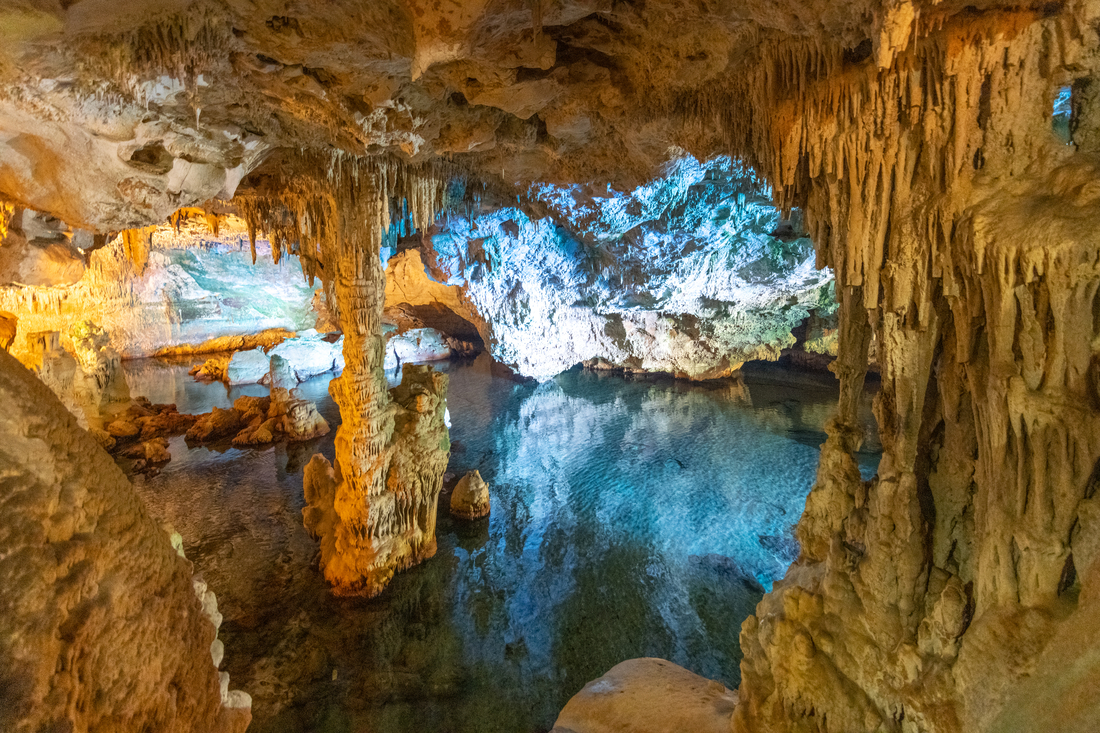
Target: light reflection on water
(629, 519)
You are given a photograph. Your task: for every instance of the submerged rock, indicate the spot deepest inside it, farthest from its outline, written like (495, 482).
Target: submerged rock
(649, 696)
(470, 498)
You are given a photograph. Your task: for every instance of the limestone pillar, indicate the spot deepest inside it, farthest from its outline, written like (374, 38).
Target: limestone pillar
(374, 512)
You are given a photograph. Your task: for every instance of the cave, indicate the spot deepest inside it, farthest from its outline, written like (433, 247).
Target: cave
(550, 365)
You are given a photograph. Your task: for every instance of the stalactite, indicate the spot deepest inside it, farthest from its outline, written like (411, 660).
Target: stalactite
(983, 338)
(136, 243)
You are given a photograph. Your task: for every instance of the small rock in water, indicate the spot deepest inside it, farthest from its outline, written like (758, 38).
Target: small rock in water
(470, 499)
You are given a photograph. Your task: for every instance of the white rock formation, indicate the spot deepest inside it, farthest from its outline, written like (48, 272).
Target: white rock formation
(247, 367)
(310, 354)
(683, 275)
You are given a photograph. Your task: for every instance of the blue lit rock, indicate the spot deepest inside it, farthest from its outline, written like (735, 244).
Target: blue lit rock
(692, 274)
(247, 367)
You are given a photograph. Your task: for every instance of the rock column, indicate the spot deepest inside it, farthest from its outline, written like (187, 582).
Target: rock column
(374, 512)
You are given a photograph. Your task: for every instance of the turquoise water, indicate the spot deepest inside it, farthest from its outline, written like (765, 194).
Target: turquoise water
(629, 519)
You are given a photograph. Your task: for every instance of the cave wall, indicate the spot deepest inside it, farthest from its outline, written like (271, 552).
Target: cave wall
(691, 274)
(100, 625)
(950, 212)
(186, 285)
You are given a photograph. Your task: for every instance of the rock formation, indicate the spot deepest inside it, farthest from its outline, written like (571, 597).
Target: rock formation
(100, 628)
(648, 696)
(194, 289)
(470, 498)
(376, 512)
(924, 596)
(283, 415)
(917, 139)
(692, 274)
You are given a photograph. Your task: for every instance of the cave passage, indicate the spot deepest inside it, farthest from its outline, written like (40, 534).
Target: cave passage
(631, 518)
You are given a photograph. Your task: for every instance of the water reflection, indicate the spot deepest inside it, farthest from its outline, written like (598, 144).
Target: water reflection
(630, 518)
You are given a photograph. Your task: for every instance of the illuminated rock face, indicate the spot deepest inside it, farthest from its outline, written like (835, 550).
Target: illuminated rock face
(925, 597)
(192, 288)
(692, 274)
(375, 513)
(93, 589)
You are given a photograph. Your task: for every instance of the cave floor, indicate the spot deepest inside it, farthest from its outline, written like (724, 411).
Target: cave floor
(630, 518)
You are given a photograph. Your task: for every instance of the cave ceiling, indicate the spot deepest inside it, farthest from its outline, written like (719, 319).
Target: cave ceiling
(115, 114)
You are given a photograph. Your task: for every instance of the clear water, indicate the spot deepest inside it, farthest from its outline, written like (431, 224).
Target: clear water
(629, 519)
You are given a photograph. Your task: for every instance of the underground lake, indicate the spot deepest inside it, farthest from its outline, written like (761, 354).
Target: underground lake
(631, 517)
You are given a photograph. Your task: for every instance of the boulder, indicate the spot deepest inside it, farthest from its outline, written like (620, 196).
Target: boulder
(105, 439)
(310, 355)
(298, 418)
(215, 425)
(123, 428)
(252, 407)
(166, 422)
(649, 696)
(247, 367)
(470, 499)
(151, 451)
(302, 421)
(259, 432)
(213, 369)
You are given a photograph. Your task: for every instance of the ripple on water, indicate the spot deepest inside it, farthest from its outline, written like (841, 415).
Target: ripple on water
(630, 518)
